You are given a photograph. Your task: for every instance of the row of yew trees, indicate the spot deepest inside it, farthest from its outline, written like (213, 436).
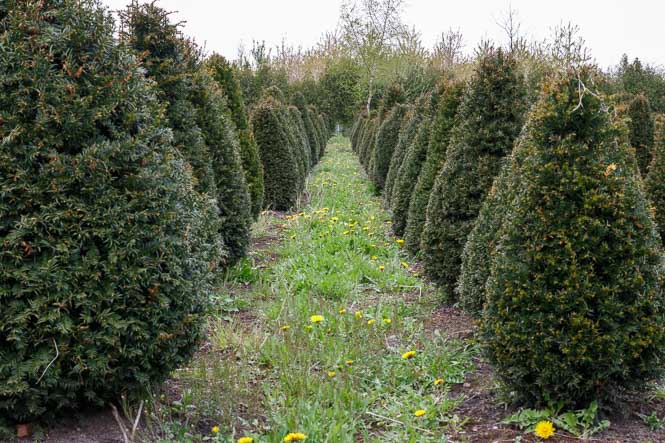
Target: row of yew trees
(539, 217)
(130, 175)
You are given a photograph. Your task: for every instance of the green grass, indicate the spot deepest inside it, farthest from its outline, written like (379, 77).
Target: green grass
(269, 370)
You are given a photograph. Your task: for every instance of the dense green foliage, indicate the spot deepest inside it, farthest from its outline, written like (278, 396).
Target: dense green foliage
(443, 122)
(490, 118)
(393, 95)
(367, 142)
(409, 168)
(279, 161)
(407, 131)
(233, 198)
(655, 180)
(641, 126)
(320, 127)
(196, 111)
(310, 128)
(225, 76)
(574, 305)
(386, 139)
(302, 149)
(407, 175)
(481, 243)
(635, 78)
(105, 246)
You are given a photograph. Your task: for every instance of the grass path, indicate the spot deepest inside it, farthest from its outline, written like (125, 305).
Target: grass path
(316, 334)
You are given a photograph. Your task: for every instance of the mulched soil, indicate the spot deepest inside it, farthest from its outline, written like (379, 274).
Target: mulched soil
(486, 412)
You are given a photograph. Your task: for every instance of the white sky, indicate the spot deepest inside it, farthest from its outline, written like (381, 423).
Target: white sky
(610, 27)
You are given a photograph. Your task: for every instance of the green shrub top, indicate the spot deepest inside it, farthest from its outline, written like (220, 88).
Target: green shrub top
(386, 139)
(218, 130)
(443, 121)
(490, 118)
(407, 131)
(225, 76)
(393, 95)
(105, 247)
(655, 180)
(575, 307)
(279, 162)
(641, 127)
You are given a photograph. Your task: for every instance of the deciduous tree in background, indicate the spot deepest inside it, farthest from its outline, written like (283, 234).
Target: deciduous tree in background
(370, 28)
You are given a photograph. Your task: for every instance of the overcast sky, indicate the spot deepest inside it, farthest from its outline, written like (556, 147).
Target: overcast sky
(610, 27)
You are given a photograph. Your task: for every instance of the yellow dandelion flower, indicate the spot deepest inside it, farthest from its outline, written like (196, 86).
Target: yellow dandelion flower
(415, 274)
(308, 327)
(387, 321)
(400, 241)
(285, 328)
(334, 219)
(359, 314)
(342, 311)
(420, 412)
(316, 318)
(408, 355)
(405, 265)
(215, 429)
(245, 440)
(331, 374)
(544, 429)
(381, 268)
(349, 362)
(375, 258)
(371, 321)
(438, 381)
(295, 436)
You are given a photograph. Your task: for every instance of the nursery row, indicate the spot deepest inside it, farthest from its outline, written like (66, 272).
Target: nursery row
(130, 175)
(539, 217)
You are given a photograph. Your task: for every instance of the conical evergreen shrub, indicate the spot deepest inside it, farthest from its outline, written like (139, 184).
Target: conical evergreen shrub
(407, 174)
(208, 141)
(641, 127)
(655, 180)
(574, 304)
(303, 150)
(356, 132)
(325, 134)
(482, 241)
(314, 144)
(368, 141)
(225, 76)
(107, 251)
(393, 95)
(279, 162)
(384, 146)
(407, 131)
(233, 198)
(443, 122)
(490, 119)
(289, 128)
(318, 130)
